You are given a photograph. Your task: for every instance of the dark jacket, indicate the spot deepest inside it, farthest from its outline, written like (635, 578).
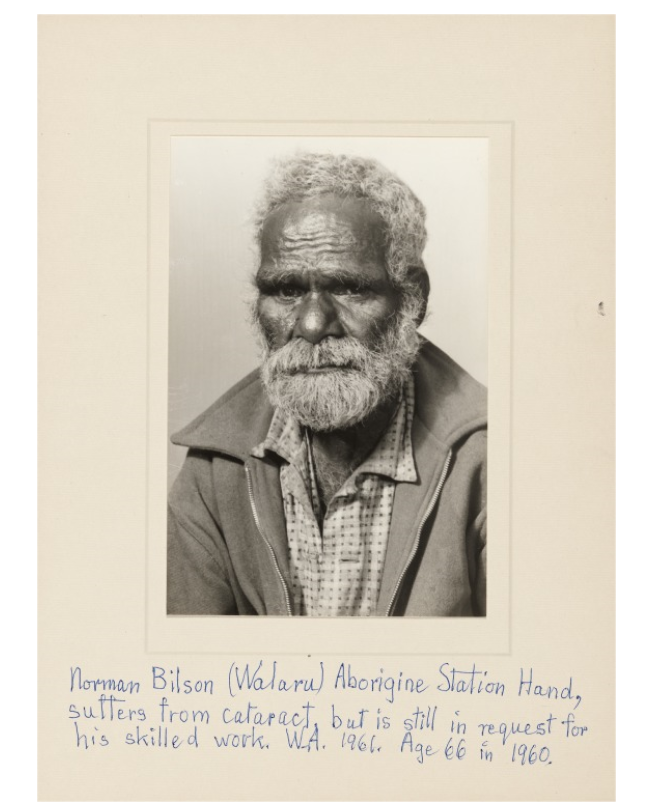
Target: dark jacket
(227, 545)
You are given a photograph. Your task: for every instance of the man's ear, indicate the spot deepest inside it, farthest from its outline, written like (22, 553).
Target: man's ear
(418, 276)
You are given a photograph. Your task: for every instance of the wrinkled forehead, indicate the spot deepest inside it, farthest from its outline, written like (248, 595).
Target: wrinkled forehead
(326, 223)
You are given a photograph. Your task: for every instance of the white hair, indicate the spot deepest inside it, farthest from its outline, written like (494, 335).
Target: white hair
(310, 175)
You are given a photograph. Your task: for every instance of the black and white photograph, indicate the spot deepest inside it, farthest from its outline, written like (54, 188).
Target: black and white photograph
(327, 377)
(327, 334)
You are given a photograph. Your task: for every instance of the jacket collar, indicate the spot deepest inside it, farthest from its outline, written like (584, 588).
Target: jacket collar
(450, 404)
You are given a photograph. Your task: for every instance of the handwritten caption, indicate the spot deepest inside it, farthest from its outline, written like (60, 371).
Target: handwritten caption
(452, 713)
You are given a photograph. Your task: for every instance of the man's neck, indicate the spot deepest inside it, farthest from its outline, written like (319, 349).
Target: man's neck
(337, 453)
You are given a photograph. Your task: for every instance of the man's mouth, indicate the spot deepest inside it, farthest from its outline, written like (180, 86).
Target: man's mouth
(322, 369)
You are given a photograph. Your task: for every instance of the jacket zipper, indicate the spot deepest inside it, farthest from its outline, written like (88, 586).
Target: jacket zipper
(417, 540)
(266, 542)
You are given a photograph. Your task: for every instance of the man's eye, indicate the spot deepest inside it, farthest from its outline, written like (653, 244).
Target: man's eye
(288, 292)
(352, 289)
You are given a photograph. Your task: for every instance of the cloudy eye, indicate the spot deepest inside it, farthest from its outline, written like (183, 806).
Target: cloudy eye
(350, 289)
(288, 292)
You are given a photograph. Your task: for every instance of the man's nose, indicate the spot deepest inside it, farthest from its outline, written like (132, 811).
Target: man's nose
(317, 318)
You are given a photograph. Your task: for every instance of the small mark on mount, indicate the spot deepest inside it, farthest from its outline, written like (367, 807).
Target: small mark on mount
(601, 308)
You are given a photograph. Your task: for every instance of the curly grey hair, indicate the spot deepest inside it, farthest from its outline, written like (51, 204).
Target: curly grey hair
(308, 175)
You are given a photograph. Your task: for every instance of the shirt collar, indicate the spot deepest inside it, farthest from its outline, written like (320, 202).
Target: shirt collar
(392, 457)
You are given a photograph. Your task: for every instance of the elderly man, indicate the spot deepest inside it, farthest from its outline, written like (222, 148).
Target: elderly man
(346, 476)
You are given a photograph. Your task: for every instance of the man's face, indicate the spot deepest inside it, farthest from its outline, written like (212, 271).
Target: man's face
(329, 314)
(322, 274)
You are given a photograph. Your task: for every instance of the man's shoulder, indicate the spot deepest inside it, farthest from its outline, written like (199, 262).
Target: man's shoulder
(232, 424)
(449, 401)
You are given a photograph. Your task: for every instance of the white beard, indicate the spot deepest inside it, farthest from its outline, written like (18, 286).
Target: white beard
(358, 381)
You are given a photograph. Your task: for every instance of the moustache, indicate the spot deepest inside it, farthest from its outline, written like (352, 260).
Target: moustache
(300, 356)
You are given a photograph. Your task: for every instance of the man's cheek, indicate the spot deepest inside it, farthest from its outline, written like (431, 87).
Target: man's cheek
(272, 326)
(371, 314)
